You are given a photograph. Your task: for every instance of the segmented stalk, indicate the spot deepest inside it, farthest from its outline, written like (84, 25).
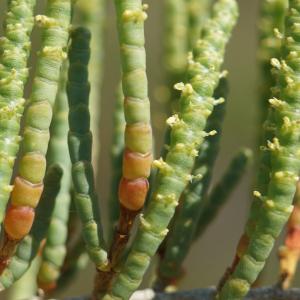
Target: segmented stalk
(284, 149)
(137, 157)
(273, 12)
(30, 245)
(80, 146)
(198, 13)
(184, 223)
(54, 250)
(196, 104)
(289, 253)
(176, 34)
(92, 15)
(28, 185)
(271, 24)
(221, 192)
(14, 52)
(117, 156)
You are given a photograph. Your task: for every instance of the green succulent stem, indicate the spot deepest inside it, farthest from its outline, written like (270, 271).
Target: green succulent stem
(80, 147)
(14, 52)
(187, 135)
(198, 13)
(184, 223)
(137, 156)
(276, 204)
(271, 24)
(54, 250)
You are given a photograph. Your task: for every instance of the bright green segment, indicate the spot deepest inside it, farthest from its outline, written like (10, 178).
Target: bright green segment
(221, 192)
(185, 221)
(80, 146)
(198, 13)
(30, 245)
(272, 14)
(176, 34)
(196, 104)
(39, 111)
(14, 53)
(54, 250)
(272, 19)
(130, 18)
(285, 163)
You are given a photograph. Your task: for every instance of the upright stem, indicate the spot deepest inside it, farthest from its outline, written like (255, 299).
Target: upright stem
(187, 216)
(14, 53)
(284, 151)
(80, 147)
(54, 250)
(137, 157)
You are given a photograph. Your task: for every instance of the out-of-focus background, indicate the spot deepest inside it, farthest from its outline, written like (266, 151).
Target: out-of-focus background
(214, 251)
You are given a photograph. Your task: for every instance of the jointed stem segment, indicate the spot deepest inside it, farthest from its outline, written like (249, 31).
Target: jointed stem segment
(137, 157)
(80, 147)
(54, 250)
(14, 52)
(284, 149)
(187, 216)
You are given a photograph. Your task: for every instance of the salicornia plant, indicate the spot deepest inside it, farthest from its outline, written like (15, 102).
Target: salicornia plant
(54, 214)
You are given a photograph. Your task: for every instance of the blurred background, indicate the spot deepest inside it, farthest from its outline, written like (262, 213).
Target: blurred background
(214, 251)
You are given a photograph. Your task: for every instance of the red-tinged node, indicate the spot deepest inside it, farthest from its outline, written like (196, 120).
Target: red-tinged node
(136, 165)
(293, 238)
(18, 221)
(132, 193)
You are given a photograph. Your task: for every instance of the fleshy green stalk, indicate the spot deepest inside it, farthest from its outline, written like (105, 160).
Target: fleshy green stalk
(276, 206)
(184, 223)
(196, 104)
(198, 13)
(176, 34)
(271, 24)
(273, 12)
(54, 250)
(137, 156)
(80, 147)
(14, 53)
(28, 185)
(30, 245)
